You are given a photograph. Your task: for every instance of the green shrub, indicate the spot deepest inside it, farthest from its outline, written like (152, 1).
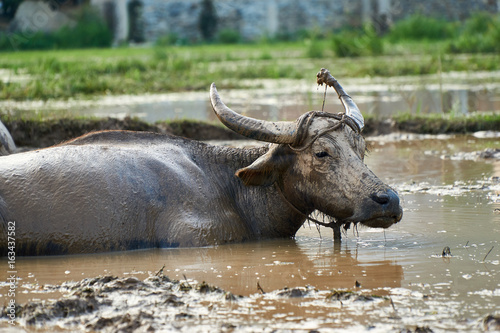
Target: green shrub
(90, 31)
(167, 40)
(181, 65)
(343, 46)
(207, 21)
(478, 23)
(374, 43)
(4, 42)
(357, 43)
(419, 27)
(480, 33)
(50, 65)
(229, 36)
(160, 54)
(314, 49)
(265, 55)
(312, 38)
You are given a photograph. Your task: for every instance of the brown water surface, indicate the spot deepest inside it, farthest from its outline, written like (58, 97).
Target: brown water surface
(449, 199)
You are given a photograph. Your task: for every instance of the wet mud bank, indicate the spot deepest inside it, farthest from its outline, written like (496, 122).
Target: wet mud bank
(45, 133)
(157, 303)
(432, 124)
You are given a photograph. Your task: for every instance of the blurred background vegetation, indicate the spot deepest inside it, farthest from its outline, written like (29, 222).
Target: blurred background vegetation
(78, 61)
(478, 34)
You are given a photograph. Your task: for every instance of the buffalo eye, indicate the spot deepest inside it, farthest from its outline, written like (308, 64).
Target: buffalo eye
(321, 154)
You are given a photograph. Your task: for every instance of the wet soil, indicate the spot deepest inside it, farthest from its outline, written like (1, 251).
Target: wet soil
(157, 303)
(435, 125)
(41, 134)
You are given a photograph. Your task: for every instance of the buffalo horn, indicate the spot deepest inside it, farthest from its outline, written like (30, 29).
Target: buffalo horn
(350, 108)
(275, 132)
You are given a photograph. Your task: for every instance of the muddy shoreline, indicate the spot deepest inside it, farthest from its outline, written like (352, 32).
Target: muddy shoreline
(158, 303)
(45, 133)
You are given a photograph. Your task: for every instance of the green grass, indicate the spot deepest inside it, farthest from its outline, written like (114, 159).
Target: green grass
(65, 74)
(447, 123)
(480, 34)
(87, 73)
(357, 43)
(419, 27)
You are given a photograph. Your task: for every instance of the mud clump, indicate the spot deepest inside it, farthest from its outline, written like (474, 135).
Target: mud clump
(347, 295)
(294, 292)
(39, 313)
(490, 153)
(491, 323)
(446, 252)
(109, 303)
(418, 329)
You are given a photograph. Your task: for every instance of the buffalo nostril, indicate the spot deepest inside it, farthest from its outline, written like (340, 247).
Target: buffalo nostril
(381, 198)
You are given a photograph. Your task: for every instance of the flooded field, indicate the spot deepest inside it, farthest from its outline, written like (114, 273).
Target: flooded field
(287, 99)
(377, 281)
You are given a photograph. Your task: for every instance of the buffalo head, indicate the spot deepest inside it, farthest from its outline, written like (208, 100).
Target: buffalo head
(317, 162)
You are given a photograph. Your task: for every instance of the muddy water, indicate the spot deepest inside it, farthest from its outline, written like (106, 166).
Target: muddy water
(449, 199)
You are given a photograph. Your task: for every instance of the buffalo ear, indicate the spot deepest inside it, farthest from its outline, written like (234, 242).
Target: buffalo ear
(265, 170)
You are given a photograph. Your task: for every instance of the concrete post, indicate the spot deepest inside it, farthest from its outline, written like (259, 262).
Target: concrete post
(384, 7)
(122, 24)
(272, 18)
(120, 17)
(366, 11)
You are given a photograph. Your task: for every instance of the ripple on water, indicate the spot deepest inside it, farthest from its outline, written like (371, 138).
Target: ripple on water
(489, 187)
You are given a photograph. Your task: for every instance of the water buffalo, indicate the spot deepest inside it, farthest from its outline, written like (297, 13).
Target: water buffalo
(121, 190)
(7, 145)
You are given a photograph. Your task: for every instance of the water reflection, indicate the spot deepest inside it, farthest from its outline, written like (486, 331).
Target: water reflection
(275, 264)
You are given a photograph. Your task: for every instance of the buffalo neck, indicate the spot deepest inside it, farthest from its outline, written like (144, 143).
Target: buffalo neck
(263, 209)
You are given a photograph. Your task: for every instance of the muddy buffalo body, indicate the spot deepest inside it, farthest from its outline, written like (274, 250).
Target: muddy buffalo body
(121, 190)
